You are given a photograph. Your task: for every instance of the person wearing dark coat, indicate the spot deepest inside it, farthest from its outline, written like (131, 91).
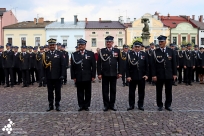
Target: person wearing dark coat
(16, 69)
(40, 68)
(25, 63)
(53, 62)
(124, 57)
(189, 64)
(150, 55)
(196, 69)
(109, 68)
(137, 72)
(32, 56)
(8, 64)
(181, 55)
(83, 72)
(2, 75)
(201, 64)
(173, 47)
(66, 61)
(164, 69)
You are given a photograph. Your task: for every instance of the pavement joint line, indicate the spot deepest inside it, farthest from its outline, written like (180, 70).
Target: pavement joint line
(71, 112)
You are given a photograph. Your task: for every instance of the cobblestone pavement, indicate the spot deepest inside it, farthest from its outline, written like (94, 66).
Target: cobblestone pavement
(26, 108)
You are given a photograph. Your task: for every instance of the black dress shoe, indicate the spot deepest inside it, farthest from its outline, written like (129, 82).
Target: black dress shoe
(86, 109)
(127, 84)
(40, 85)
(3, 83)
(130, 108)
(24, 86)
(105, 109)
(44, 85)
(50, 108)
(190, 84)
(179, 82)
(141, 108)
(18, 83)
(124, 85)
(58, 108)
(160, 108)
(6, 86)
(168, 108)
(12, 86)
(113, 109)
(186, 84)
(80, 109)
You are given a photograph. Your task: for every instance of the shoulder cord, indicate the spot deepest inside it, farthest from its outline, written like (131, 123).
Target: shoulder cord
(131, 61)
(199, 56)
(46, 64)
(188, 58)
(37, 57)
(123, 58)
(157, 59)
(79, 62)
(180, 56)
(4, 55)
(149, 53)
(21, 58)
(102, 57)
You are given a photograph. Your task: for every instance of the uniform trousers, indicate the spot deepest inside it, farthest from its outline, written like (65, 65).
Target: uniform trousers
(188, 74)
(84, 93)
(109, 87)
(168, 92)
(54, 85)
(141, 92)
(9, 72)
(25, 75)
(2, 76)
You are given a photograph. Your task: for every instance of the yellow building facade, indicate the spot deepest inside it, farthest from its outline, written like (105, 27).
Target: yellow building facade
(27, 33)
(156, 28)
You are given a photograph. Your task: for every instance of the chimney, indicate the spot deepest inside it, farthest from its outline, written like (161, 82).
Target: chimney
(188, 17)
(134, 19)
(86, 20)
(201, 18)
(128, 20)
(75, 19)
(99, 19)
(193, 17)
(41, 20)
(62, 20)
(35, 20)
(168, 15)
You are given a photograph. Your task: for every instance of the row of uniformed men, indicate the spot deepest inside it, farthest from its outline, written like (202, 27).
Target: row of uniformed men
(26, 66)
(109, 67)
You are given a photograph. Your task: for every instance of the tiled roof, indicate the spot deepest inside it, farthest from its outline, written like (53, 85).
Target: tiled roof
(104, 25)
(173, 21)
(27, 25)
(66, 25)
(200, 25)
(128, 25)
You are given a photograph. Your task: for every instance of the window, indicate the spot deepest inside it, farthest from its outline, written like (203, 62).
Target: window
(183, 38)
(156, 40)
(93, 32)
(120, 33)
(107, 32)
(10, 40)
(120, 42)
(93, 41)
(37, 41)
(175, 40)
(193, 40)
(23, 41)
(202, 41)
(65, 42)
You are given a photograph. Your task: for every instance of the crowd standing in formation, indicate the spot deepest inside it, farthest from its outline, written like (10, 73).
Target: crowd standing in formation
(156, 64)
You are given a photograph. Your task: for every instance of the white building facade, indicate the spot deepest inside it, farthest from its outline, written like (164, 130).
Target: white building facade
(66, 33)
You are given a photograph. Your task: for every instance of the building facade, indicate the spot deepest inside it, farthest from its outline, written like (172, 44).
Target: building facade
(6, 18)
(30, 33)
(156, 28)
(66, 33)
(96, 31)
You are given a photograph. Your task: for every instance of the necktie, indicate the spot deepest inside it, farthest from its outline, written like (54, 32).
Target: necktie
(136, 55)
(82, 52)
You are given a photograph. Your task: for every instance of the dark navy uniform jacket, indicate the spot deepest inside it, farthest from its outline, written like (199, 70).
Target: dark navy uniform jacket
(136, 72)
(83, 67)
(164, 64)
(109, 62)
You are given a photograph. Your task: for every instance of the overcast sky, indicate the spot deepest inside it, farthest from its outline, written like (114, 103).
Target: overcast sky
(51, 10)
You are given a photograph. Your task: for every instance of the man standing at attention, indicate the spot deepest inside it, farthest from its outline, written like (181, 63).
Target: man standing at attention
(109, 68)
(163, 71)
